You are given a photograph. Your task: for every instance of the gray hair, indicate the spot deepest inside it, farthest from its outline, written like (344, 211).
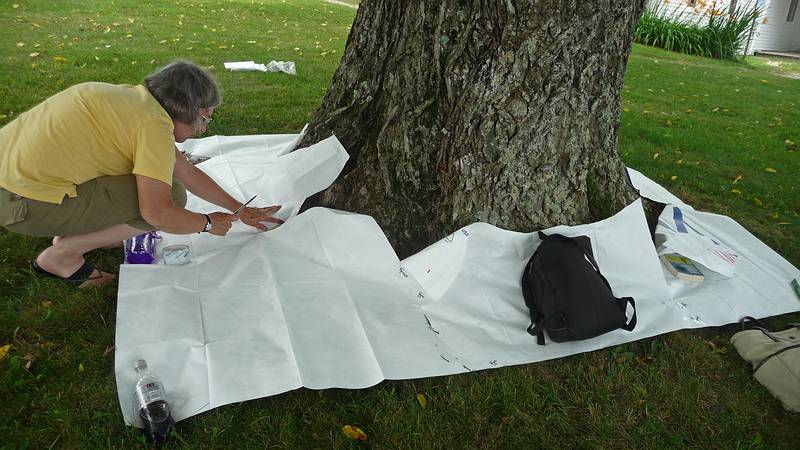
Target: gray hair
(183, 88)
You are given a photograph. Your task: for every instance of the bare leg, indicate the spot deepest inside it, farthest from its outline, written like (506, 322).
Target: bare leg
(65, 256)
(114, 245)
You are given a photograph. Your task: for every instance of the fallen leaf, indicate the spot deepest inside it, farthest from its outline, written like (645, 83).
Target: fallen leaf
(790, 145)
(4, 350)
(771, 170)
(109, 349)
(20, 44)
(422, 400)
(673, 178)
(738, 177)
(15, 6)
(758, 201)
(354, 433)
(736, 191)
(655, 155)
(80, 367)
(3, 116)
(59, 59)
(764, 81)
(34, 54)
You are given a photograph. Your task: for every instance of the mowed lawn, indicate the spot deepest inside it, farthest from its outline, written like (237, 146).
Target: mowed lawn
(722, 136)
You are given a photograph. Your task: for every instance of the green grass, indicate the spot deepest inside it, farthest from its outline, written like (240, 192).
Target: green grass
(720, 128)
(709, 122)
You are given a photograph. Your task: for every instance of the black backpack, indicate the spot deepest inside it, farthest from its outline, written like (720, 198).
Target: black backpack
(567, 295)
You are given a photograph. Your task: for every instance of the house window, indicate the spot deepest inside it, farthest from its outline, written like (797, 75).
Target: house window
(792, 10)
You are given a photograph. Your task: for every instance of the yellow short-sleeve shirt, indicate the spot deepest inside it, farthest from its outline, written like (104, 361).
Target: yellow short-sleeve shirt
(86, 131)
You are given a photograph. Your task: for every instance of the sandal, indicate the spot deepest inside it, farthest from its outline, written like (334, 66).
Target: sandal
(85, 276)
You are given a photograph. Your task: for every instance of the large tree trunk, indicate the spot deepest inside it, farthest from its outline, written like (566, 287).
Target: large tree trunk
(498, 111)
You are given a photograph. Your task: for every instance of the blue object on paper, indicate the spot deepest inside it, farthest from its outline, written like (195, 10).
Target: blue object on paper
(141, 249)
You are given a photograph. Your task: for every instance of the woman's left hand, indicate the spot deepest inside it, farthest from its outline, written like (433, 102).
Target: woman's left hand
(256, 216)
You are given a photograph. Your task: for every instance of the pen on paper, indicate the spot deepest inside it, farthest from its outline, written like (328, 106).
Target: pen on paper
(239, 209)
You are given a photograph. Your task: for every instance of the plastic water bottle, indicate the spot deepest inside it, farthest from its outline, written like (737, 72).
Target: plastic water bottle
(151, 410)
(141, 249)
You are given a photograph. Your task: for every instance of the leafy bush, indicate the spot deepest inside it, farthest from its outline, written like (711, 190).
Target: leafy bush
(706, 32)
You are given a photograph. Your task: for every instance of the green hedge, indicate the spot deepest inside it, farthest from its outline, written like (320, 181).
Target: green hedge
(723, 36)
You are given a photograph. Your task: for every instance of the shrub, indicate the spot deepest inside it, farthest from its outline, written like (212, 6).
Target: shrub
(706, 31)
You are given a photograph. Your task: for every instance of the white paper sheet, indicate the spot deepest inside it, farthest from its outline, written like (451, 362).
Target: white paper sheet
(272, 66)
(323, 301)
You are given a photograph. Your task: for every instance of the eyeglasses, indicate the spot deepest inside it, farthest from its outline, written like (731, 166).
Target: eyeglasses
(202, 124)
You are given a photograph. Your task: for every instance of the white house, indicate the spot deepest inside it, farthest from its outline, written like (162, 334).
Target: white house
(777, 31)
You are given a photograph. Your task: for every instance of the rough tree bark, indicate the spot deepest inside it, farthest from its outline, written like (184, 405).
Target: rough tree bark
(500, 111)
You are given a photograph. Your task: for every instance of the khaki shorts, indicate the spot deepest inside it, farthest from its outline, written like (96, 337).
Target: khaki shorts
(101, 203)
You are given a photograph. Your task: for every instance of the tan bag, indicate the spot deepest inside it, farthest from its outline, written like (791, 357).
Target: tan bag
(775, 357)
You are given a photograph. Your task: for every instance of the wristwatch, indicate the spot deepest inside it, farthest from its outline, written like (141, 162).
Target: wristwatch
(208, 225)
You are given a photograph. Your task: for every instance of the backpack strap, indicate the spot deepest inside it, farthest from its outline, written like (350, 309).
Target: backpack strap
(785, 349)
(749, 322)
(537, 329)
(527, 294)
(538, 332)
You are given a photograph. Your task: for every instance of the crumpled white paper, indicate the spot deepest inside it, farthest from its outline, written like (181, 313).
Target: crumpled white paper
(272, 66)
(323, 301)
(679, 231)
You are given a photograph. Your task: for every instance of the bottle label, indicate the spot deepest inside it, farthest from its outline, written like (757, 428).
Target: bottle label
(149, 393)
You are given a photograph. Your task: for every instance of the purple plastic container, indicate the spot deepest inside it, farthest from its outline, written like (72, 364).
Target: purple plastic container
(141, 249)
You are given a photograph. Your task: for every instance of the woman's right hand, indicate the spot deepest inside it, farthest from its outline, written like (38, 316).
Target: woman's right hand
(221, 223)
